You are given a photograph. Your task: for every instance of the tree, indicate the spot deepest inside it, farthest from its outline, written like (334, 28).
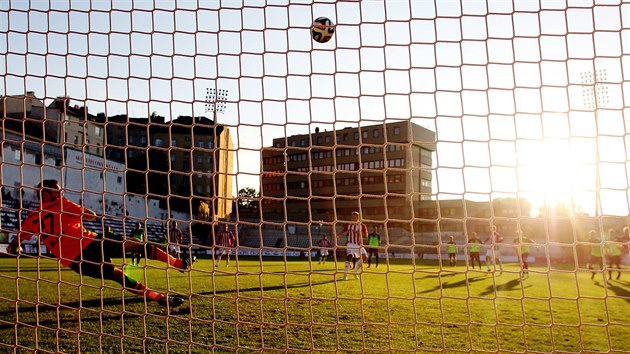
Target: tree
(248, 198)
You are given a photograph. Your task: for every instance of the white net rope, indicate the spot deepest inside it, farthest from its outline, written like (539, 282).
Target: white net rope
(439, 123)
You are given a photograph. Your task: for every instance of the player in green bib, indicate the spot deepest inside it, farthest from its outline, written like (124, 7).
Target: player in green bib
(138, 236)
(452, 251)
(475, 248)
(596, 252)
(613, 252)
(374, 241)
(524, 245)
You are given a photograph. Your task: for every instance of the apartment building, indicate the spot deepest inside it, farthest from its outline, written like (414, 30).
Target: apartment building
(382, 170)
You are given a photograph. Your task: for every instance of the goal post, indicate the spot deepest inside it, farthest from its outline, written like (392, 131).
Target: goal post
(398, 176)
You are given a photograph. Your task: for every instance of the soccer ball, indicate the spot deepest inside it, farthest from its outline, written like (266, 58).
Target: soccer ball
(322, 29)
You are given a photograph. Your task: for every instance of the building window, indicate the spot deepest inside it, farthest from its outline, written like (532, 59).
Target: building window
(158, 142)
(375, 133)
(199, 159)
(396, 130)
(174, 142)
(277, 144)
(319, 140)
(293, 143)
(17, 155)
(173, 159)
(119, 179)
(200, 144)
(303, 142)
(327, 139)
(364, 134)
(97, 131)
(356, 135)
(76, 140)
(210, 144)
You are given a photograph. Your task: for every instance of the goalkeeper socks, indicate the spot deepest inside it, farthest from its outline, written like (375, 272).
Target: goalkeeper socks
(140, 289)
(157, 254)
(347, 268)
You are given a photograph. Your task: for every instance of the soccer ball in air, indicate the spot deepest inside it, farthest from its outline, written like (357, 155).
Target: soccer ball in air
(322, 29)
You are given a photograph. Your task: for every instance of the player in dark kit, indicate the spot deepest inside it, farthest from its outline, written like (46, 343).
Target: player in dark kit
(374, 240)
(59, 226)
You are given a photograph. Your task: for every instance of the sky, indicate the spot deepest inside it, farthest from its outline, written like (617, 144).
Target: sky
(504, 84)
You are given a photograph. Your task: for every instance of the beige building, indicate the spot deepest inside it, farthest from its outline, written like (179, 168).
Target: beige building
(201, 160)
(62, 123)
(80, 130)
(382, 170)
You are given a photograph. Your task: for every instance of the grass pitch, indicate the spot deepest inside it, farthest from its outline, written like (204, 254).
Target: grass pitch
(290, 306)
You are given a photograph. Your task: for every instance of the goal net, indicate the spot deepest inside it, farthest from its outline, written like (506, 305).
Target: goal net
(437, 176)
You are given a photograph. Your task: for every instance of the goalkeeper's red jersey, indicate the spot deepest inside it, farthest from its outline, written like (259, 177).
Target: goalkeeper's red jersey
(58, 225)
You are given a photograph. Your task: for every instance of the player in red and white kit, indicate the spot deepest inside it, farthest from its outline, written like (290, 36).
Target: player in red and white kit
(59, 226)
(225, 243)
(356, 231)
(324, 245)
(494, 251)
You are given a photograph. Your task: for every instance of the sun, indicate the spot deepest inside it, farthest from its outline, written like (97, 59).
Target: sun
(552, 172)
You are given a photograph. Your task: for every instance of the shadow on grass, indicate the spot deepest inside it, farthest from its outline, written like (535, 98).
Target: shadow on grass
(96, 304)
(618, 290)
(510, 285)
(449, 285)
(268, 288)
(34, 269)
(92, 307)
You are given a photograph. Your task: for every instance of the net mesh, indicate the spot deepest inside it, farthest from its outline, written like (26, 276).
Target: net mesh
(435, 121)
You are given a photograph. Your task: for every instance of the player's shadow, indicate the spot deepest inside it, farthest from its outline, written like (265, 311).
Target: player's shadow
(510, 285)
(621, 291)
(91, 306)
(449, 285)
(34, 269)
(269, 288)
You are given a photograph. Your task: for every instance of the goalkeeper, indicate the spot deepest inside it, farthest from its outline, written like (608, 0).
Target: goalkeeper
(58, 224)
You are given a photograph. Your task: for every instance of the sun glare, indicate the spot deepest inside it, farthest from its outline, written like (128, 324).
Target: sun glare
(552, 173)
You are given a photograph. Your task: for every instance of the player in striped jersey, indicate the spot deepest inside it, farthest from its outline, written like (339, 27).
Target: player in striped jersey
(224, 244)
(494, 251)
(355, 231)
(174, 237)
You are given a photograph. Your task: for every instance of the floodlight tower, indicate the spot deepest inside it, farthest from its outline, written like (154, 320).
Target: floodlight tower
(215, 103)
(595, 96)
